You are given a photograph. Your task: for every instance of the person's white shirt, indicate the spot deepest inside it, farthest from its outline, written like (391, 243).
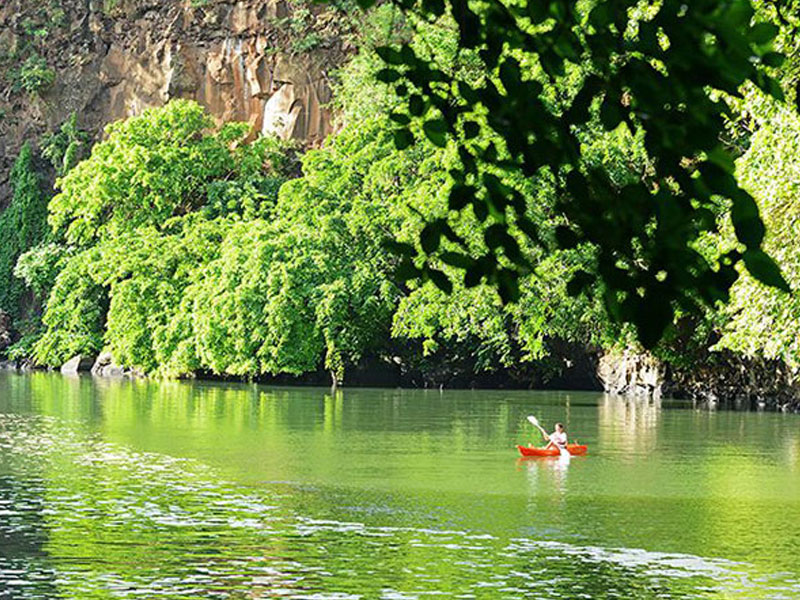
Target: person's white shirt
(559, 439)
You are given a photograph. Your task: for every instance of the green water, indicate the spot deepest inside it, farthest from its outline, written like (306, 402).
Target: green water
(118, 489)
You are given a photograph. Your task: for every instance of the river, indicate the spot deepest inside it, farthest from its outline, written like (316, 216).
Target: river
(177, 490)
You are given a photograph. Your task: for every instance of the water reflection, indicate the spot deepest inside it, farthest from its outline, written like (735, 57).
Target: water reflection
(124, 524)
(629, 424)
(547, 474)
(145, 489)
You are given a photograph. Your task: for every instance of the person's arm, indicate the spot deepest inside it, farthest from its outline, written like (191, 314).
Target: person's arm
(544, 433)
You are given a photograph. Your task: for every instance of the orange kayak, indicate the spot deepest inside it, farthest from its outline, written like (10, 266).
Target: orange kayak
(573, 449)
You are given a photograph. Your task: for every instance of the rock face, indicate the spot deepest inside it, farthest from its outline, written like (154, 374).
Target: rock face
(710, 379)
(630, 372)
(77, 364)
(730, 379)
(265, 62)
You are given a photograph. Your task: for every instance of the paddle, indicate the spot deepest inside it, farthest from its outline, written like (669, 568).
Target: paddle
(535, 422)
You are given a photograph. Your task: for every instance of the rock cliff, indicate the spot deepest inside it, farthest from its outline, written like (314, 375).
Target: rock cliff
(711, 379)
(266, 62)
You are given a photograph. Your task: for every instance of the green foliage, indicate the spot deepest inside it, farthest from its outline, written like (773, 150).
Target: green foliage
(208, 259)
(307, 42)
(552, 69)
(263, 166)
(307, 27)
(307, 286)
(358, 95)
(186, 249)
(763, 320)
(785, 14)
(75, 313)
(39, 266)
(33, 75)
(22, 225)
(150, 168)
(34, 29)
(472, 321)
(149, 323)
(143, 216)
(66, 147)
(23, 348)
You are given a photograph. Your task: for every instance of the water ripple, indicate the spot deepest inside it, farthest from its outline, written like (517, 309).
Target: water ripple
(84, 518)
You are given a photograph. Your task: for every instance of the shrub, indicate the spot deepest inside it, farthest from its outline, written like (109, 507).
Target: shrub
(33, 75)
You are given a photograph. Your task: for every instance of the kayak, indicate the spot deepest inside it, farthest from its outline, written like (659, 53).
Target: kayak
(573, 449)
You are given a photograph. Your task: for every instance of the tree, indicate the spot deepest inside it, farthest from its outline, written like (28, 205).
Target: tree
(22, 225)
(160, 164)
(553, 68)
(762, 321)
(139, 217)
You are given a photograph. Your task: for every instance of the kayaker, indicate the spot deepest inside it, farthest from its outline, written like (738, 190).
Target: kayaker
(557, 439)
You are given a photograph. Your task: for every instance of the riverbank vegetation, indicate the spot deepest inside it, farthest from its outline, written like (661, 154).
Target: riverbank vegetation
(181, 247)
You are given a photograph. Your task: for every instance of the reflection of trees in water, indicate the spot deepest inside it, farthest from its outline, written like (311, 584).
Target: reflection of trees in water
(576, 571)
(25, 567)
(793, 452)
(629, 423)
(120, 520)
(115, 523)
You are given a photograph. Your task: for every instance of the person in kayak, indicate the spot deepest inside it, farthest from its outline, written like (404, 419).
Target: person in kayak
(557, 439)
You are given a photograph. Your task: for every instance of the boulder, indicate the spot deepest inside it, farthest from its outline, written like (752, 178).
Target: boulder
(102, 361)
(104, 366)
(8, 365)
(77, 364)
(26, 365)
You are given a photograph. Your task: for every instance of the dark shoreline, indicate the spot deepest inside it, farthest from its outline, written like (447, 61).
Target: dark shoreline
(680, 387)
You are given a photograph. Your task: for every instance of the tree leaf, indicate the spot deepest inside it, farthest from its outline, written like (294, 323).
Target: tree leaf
(460, 196)
(403, 139)
(406, 271)
(746, 221)
(763, 33)
(387, 75)
(399, 248)
(610, 112)
(471, 130)
(566, 238)
(430, 237)
(762, 267)
(773, 59)
(436, 131)
(508, 285)
(400, 118)
(416, 105)
(389, 55)
(579, 282)
(455, 259)
(440, 280)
